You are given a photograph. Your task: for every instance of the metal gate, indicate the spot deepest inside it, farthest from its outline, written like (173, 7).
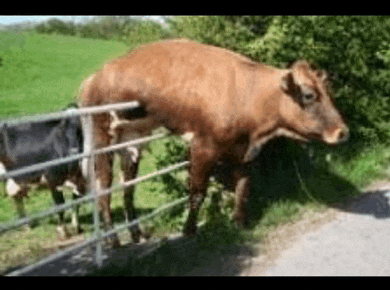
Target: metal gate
(93, 193)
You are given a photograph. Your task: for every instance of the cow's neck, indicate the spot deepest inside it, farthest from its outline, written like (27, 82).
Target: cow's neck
(257, 143)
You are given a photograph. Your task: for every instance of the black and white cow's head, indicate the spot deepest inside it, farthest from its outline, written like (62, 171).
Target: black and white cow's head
(5, 156)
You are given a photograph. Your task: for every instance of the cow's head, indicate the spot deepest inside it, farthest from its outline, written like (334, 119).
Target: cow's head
(3, 139)
(306, 108)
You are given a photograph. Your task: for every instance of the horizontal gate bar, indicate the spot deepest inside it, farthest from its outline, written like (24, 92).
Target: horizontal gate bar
(40, 166)
(148, 176)
(89, 197)
(70, 113)
(94, 239)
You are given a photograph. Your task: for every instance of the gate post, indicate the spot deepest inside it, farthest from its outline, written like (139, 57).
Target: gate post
(89, 147)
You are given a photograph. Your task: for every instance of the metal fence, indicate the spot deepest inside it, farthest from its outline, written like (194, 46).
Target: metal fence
(93, 193)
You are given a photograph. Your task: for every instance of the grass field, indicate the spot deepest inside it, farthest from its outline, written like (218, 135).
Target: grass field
(41, 73)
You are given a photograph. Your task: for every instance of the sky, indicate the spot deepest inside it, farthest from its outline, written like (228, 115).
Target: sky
(8, 19)
(13, 19)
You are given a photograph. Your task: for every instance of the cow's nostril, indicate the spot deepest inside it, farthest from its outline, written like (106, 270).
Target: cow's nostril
(343, 135)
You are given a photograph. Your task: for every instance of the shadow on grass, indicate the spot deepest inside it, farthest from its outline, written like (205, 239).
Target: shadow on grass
(182, 256)
(117, 213)
(289, 181)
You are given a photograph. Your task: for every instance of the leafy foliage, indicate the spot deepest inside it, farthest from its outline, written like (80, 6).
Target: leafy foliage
(55, 25)
(131, 30)
(175, 151)
(232, 32)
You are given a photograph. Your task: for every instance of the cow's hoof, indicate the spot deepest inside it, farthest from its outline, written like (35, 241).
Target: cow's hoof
(79, 230)
(136, 234)
(241, 221)
(34, 223)
(190, 230)
(63, 233)
(113, 241)
(147, 234)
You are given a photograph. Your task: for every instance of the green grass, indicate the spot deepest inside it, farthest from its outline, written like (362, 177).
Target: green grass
(41, 73)
(369, 164)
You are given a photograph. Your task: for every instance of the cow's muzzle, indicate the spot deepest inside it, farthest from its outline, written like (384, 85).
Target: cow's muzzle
(341, 134)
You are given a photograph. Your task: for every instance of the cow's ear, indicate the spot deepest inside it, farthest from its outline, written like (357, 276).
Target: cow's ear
(4, 126)
(322, 75)
(288, 85)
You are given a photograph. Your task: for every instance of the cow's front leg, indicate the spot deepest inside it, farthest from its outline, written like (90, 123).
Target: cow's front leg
(75, 215)
(58, 198)
(79, 190)
(202, 158)
(79, 186)
(243, 182)
(17, 193)
(131, 158)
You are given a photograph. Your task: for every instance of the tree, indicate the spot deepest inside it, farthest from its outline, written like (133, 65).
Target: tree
(232, 32)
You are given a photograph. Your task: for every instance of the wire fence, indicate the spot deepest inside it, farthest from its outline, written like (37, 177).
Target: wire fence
(94, 194)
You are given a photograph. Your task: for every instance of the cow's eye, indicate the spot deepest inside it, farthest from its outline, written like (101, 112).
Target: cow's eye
(308, 98)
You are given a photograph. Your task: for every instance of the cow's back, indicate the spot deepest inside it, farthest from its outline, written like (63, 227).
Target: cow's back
(195, 82)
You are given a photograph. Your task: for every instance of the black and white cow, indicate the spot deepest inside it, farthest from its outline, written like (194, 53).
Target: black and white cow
(31, 143)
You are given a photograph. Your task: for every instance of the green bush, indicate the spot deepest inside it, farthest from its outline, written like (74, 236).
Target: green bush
(106, 27)
(55, 25)
(175, 151)
(145, 31)
(131, 30)
(233, 32)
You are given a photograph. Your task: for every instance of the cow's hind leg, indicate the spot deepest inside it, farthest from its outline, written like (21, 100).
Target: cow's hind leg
(104, 164)
(17, 192)
(203, 158)
(103, 168)
(21, 211)
(19, 198)
(58, 198)
(130, 162)
(75, 215)
(79, 190)
(19, 203)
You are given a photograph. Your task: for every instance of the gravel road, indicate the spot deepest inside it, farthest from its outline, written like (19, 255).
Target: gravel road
(356, 243)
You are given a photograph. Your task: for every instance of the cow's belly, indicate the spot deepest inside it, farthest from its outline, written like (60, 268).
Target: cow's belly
(14, 188)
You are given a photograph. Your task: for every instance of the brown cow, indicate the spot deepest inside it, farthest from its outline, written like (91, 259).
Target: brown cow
(227, 103)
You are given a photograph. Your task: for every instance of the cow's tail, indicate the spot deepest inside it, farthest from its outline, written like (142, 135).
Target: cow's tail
(87, 144)
(85, 124)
